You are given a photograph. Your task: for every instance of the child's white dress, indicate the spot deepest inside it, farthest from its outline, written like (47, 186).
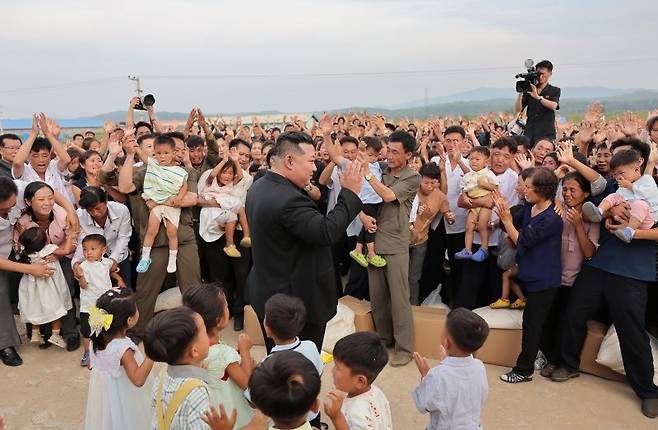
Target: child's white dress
(222, 389)
(43, 300)
(113, 402)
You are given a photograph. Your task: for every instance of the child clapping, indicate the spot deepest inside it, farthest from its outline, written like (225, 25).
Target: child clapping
(454, 391)
(358, 359)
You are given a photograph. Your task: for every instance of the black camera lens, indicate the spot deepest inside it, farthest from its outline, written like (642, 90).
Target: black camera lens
(149, 100)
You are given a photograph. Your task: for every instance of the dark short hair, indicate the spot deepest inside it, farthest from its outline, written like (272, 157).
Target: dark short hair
(430, 170)
(506, 142)
(288, 143)
(624, 158)
(363, 353)
(208, 300)
(195, 141)
(467, 329)
(455, 129)
(164, 139)
(86, 142)
(8, 188)
(94, 237)
(553, 155)
(143, 137)
(32, 240)
(41, 143)
(169, 334)
(545, 64)
(144, 124)
(12, 136)
(583, 183)
(650, 123)
(373, 142)
(481, 150)
(121, 304)
(32, 188)
(581, 157)
(237, 141)
(636, 144)
(175, 135)
(544, 182)
(406, 139)
(521, 140)
(78, 135)
(527, 173)
(349, 139)
(91, 196)
(284, 386)
(285, 315)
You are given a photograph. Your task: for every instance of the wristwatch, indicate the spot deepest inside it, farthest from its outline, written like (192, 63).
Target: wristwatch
(541, 99)
(368, 177)
(308, 187)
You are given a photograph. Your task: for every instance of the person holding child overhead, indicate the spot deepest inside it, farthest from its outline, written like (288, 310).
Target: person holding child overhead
(291, 239)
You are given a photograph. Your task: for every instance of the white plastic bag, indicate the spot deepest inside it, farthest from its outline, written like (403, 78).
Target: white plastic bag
(341, 325)
(168, 299)
(511, 319)
(433, 300)
(610, 353)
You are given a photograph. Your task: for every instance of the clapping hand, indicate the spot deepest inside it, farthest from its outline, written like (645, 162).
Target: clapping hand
(334, 404)
(421, 363)
(220, 420)
(351, 179)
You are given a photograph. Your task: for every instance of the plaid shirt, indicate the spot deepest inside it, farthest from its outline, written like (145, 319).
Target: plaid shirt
(189, 413)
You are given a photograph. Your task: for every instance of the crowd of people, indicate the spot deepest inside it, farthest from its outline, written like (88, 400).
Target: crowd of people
(558, 222)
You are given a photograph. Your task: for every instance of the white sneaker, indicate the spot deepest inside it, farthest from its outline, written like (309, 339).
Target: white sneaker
(57, 340)
(36, 338)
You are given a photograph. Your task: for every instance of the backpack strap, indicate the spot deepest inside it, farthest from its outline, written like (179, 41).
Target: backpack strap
(165, 420)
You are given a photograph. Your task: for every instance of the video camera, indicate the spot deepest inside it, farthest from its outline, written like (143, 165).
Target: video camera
(147, 101)
(530, 77)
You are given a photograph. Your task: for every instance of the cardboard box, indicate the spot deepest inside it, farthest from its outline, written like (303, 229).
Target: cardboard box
(428, 327)
(252, 326)
(595, 333)
(502, 347)
(362, 313)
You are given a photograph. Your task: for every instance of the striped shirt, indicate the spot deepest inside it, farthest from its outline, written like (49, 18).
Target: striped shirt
(162, 182)
(189, 413)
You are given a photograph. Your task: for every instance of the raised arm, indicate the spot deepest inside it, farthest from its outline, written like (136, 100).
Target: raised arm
(51, 130)
(23, 152)
(130, 120)
(325, 176)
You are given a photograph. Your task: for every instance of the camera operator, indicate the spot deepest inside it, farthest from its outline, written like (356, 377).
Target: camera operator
(541, 101)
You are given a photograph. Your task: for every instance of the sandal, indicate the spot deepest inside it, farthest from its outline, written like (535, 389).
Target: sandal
(359, 258)
(143, 265)
(377, 261)
(518, 304)
(514, 378)
(500, 304)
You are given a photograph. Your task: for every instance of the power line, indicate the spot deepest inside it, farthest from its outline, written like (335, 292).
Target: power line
(338, 75)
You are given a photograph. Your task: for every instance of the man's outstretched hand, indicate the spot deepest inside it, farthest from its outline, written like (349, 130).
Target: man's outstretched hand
(352, 177)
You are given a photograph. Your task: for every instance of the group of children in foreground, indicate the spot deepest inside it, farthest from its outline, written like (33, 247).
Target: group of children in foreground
(208, 384)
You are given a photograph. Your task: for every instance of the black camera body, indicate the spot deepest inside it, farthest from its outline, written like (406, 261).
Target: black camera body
(530, 77)
(147, 101)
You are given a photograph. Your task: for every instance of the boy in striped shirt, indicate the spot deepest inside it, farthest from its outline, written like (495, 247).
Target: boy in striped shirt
(165, 184)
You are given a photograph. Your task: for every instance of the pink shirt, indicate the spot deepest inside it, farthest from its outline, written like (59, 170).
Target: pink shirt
(56, 230)
(572, 255)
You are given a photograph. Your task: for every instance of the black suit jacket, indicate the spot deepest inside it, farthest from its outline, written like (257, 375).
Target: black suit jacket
(291, 245)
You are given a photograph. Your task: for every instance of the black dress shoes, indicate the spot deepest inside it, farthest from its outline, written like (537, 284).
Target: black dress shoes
(10, 357)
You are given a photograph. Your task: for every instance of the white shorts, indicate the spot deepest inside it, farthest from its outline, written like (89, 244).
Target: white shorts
(162, 212)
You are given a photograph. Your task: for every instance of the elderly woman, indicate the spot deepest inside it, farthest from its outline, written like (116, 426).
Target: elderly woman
(42, 211)
(538, 243)
(579, 241)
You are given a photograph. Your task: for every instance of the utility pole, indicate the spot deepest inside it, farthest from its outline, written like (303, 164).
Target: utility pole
(138, 90)
(1, 115)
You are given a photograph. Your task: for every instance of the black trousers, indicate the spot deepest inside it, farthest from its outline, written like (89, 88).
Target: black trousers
(481, 283)
(550, 342)
(538, 307)
(230, 272)
(433, 274)
(357, 282)
(626, 299)
(340, 253)
(365, 236)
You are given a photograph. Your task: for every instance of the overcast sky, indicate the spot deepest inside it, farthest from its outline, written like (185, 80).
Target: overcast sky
(171, 43)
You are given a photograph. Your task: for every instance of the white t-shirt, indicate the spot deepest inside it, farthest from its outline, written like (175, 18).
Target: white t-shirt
(354, 228)
(7, 224)
(97, 275)
(507, 186)
(453, 393)
(454, 178)
(368, 411)
(53, 176)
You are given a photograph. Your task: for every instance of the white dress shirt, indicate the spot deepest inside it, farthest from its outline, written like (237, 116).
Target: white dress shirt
(507, 186)
(454, 177)
(117, 231)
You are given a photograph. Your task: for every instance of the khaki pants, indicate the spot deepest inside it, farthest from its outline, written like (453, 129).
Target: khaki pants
(150, 283)
(389, 298)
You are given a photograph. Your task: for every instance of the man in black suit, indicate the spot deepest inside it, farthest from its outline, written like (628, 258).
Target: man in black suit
(291, 238)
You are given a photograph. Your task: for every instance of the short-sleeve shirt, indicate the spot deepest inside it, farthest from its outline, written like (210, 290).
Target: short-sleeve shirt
(97, 275)
(368, 411)
(541, 120)
(53, 177)
(162, 182)
(190, 412)
(393, 219)
(453, 393)
(469, 182)
(56, 230)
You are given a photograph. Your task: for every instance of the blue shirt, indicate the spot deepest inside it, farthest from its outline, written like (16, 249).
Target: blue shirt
(538, 250)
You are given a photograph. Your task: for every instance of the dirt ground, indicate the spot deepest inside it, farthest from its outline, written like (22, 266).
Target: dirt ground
(49, 392)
